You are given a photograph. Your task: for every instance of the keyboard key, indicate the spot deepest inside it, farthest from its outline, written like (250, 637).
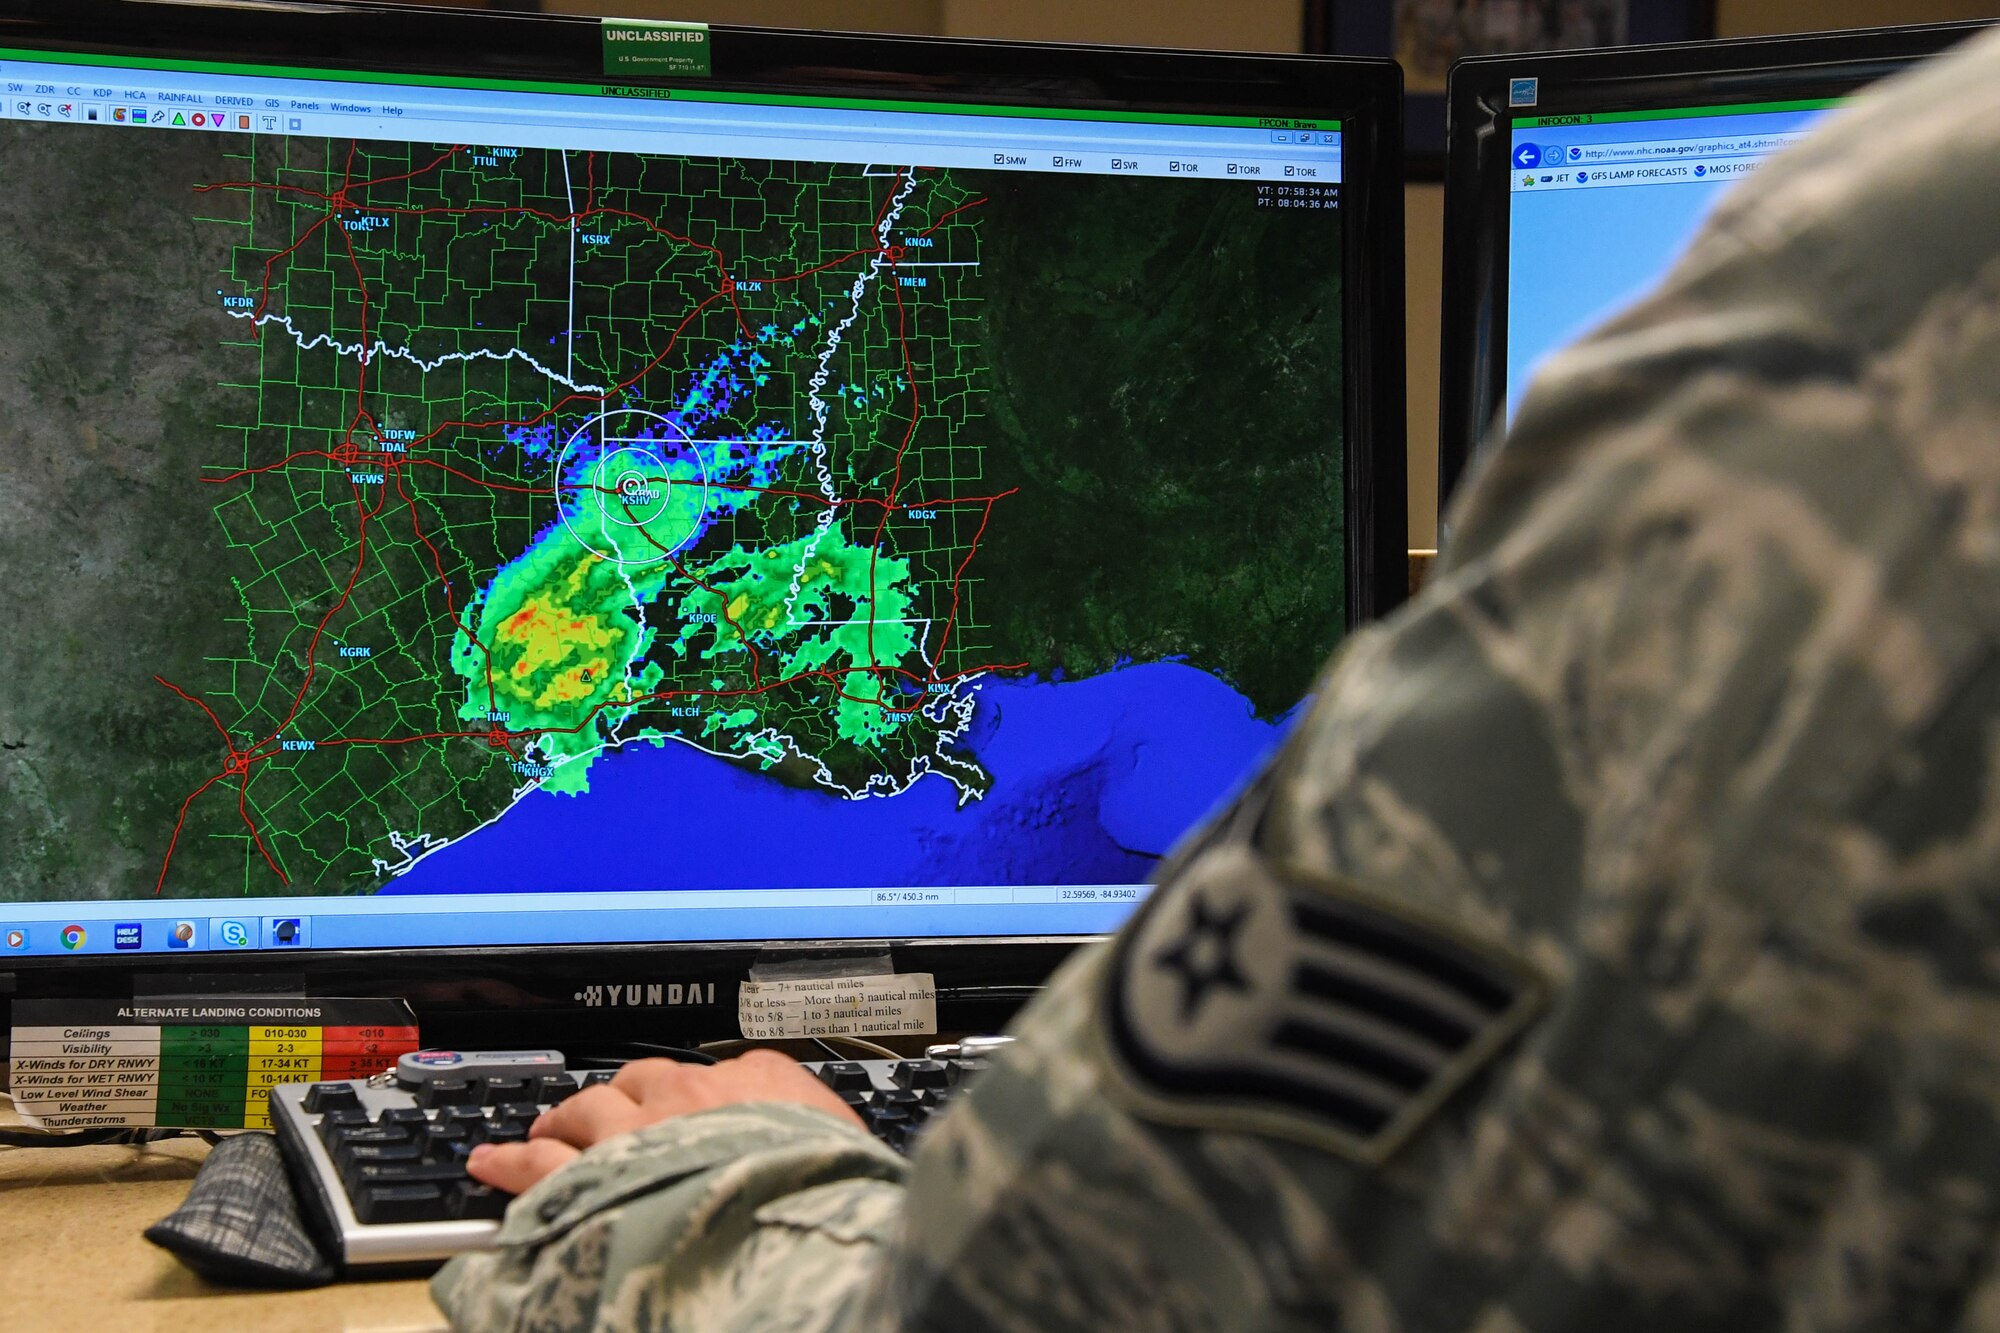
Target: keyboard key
(506, 1131)
(597, 1076)
(845, 1076)
(402, 1115)
(920, 1074)
(899, 1097)
(400, 1203)
(364, 1154)
(366, 1136)
(498, 1091)
(443, 1143)
(469, 1199)
(461, 1116)
(453, 1152)
(371, 1174)
(551, 1089)
(448, 1092)
(324, 1097)
(525, 1112)
(335, 1123)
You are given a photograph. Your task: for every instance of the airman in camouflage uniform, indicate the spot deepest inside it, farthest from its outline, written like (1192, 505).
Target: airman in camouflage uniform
(1616, 944)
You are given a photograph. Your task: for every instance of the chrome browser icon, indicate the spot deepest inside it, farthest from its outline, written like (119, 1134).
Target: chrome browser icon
(72, 937)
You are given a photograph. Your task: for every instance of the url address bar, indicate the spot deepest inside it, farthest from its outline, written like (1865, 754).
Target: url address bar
(1732, 146)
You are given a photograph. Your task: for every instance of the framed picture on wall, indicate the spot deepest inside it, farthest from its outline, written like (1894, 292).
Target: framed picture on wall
(1427, 35)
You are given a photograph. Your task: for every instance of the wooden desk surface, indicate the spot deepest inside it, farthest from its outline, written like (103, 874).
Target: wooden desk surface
(71, 1256)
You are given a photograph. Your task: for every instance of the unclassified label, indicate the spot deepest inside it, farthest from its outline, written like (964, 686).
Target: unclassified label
(654, 46)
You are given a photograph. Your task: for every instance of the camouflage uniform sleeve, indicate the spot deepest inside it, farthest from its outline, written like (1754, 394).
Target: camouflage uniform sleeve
(1614, 944)
(696, 1224)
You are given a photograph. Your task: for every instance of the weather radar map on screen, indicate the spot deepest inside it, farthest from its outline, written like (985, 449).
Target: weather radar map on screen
(456, 512)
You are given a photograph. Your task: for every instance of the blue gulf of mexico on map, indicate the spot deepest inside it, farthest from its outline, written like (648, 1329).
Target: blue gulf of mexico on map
(1094, 779)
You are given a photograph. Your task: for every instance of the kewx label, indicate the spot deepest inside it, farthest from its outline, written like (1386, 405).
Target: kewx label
(651, 46)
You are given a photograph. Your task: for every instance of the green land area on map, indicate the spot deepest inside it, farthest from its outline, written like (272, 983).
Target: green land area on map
(349, 490)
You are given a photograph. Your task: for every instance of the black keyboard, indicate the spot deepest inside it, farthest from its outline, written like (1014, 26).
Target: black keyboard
(380, 1163)
(896, 1098)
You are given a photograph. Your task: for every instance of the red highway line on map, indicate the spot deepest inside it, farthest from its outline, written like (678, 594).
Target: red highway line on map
(361, 368)
(272, 186)
(958, 576)
(821, 268)
(264, 301)
(950, 213)
(896, 184)
(722, 601)
(203, 707)
(238, 763)
(180, 823)
(243, 809)
(450, 602)
(444, 157)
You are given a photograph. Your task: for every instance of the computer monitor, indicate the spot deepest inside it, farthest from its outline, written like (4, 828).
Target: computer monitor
(1575, 179)
(532, 514)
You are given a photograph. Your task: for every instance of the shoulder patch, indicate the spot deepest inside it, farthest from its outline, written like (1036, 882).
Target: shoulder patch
(1249, 997)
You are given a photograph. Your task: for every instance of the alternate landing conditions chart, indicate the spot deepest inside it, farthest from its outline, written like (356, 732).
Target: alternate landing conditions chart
(198, 1063)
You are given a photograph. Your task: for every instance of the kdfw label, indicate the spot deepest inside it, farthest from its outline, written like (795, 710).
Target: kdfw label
(652, 46)
(904, 1003)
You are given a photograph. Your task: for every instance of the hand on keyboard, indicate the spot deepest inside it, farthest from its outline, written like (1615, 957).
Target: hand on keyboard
(646, 1092)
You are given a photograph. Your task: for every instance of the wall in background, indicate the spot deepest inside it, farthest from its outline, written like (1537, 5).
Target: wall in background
(1244, 25)
(1423, 304)
(1241, 25)
(858, 15)
(1756, 18)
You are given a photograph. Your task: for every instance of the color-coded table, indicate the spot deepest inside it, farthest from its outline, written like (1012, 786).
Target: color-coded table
(199, 1063)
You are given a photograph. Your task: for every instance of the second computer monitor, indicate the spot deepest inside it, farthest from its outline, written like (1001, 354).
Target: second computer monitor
(1576, 179)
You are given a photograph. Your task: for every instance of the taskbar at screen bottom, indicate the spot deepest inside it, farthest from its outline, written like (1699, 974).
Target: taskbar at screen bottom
(231, 925)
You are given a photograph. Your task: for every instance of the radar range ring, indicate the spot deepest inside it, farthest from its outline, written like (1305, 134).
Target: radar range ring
(631, 486)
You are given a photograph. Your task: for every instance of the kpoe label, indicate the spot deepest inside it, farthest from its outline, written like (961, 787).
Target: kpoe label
(656, 47)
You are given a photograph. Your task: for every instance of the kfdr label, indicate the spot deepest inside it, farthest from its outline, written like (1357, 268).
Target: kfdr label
(654, 46)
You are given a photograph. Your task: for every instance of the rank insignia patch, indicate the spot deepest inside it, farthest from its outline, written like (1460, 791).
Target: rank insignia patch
(1246, 998)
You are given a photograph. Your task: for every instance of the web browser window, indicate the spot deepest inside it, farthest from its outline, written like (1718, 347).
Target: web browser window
(458, 512)
(1602, 204)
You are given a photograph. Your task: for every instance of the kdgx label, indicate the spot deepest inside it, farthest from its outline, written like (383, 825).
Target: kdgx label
(1251, 999)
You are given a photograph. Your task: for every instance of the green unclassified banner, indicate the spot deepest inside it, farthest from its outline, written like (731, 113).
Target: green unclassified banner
(647, 46)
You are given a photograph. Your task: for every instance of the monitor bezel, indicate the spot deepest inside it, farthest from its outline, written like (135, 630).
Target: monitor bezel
(1472, 361)
(535, 993)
